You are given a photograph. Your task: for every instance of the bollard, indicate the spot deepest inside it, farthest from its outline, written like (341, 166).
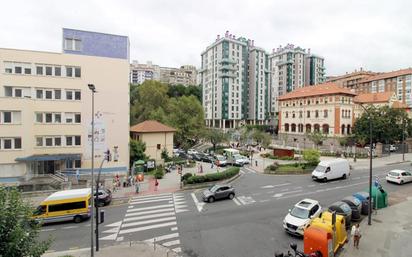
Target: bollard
(101, 216)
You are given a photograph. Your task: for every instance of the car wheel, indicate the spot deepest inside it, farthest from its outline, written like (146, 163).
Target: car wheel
(401, 183)
(231, 196)
(325, 180)
(211, 199)
(77, 219)
(344, 176)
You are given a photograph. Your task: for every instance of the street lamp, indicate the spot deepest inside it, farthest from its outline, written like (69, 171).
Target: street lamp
(93, 91)
(370, 165)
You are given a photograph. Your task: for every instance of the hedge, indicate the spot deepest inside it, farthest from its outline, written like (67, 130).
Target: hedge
(228, 173)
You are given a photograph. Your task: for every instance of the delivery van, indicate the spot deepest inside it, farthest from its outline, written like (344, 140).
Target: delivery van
(65, 205)
(230, 155)
(331, 169)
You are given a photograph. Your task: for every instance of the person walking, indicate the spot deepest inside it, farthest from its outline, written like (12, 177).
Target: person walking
(356, 236)
(201, 168)
(156, 184)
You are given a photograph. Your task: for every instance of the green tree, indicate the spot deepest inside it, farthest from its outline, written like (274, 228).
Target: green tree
(311, 156)
(151, 95)
(18, 231)
(137, 149)
(215, 136)
(261, 137)
(186, 116)
(164, 155)
(316, 137)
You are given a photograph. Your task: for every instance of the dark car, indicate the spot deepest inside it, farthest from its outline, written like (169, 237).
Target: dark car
(205, 158)
(218, 192)
(355, 205)
(185, 156)
(344, 209)
(104, 197)
(196, 157)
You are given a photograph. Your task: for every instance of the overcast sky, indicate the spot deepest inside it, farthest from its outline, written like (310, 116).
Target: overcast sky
(373, 34)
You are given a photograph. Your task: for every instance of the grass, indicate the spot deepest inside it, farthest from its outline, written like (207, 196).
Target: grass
(287, 169)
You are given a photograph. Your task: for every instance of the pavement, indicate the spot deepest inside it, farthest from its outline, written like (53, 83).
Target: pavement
(132, 249)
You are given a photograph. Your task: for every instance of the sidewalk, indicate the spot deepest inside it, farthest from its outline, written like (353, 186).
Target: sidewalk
(390, 233)
(132, 249)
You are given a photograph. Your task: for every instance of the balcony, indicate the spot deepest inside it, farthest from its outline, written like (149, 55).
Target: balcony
(279, 63)
(227, 60)
(227, 67)
(226, 75)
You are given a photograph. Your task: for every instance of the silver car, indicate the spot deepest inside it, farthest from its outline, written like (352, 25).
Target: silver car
(218, 192)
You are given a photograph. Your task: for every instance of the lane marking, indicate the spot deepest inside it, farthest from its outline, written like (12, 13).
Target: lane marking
(150, 196)
(166, 214)
(236, 201)
(148, 212)
(171, 243)
(311, 185)
(161, 225)
(132, 224)
(152, 201)
(161, 238)
(290, 192)
(70, 227)
(263, 201)
(151, 207)
(245, 200)
(199, 206)
(173, 229)
(48, 229)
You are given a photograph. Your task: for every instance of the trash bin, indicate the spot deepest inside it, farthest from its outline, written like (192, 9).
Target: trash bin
(379, 198)
(318, 239)
(364, 198)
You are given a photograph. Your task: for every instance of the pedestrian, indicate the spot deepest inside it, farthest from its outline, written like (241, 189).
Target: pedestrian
(156, 184)
(211, 166)
(356, 236)
(137, 187)
(256, 163)
(201, 168)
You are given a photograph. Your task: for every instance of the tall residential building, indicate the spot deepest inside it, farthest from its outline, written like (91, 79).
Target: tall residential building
(185, 75)
(45, 107)
(292, 67)
(234, 77)
(139, 72)
(351, 80)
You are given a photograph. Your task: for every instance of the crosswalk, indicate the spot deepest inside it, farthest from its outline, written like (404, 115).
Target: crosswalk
(151, 219)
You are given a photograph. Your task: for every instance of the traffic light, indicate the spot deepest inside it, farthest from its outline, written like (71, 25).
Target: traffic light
(107, 155)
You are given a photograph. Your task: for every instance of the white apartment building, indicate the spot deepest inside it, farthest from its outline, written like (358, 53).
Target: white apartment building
(139, 72)
(45, 107)
(185, 75)
(229, 98)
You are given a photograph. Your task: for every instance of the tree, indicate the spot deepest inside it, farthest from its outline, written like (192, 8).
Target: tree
(186, 116)
(387, 124)
(137, 149)
(215, 136)
(311, 156)
(164, 155)
(261, 137)
(18, 231)
(316, 137)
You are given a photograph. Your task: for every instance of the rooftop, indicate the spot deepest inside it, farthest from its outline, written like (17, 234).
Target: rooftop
(388, 75)
(149, 126)
(317, 90)
(382, 97)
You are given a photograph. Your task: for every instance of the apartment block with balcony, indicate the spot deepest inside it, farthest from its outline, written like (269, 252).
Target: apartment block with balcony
(45, 107)
(139, 72)
(314, 69)
(185, 75)
(351, 80)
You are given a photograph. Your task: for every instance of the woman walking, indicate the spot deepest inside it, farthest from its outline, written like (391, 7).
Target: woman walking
(356, 236)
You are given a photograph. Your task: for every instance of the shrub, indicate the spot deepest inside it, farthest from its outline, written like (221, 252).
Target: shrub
(265, 155)
(186, 176)
(311, 156)
(159, 173)
(228, 173)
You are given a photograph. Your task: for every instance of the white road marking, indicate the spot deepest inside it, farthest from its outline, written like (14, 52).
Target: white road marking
(263, 201)
(181, 210)
(177, 250)
(109, 237)
(311, 185)
(161, 238)
(69, 227)
(116, 224)
(120, 238)
(166, 214)
(278, 185)
(284, 190)
(171, 243)
(151, 207)
(148, 212)
(241, 172)
(236, 201)
(48, 229)
(152, 201)
(173, 229)
(132, 230)
(132, 224)
(199, 206)
(150, 196)
(245, 200)
(290, 192)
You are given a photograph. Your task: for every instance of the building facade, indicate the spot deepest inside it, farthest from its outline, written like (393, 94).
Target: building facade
(351, 80)
(139, 72)
(45, 107)
(314, 69)
(185, 75)
(235, 83)
(326, 108)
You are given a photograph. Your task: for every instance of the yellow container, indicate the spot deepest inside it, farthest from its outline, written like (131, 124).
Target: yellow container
(341, 235)
(326, 226)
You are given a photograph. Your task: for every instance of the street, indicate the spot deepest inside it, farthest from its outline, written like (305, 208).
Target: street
(248, 225)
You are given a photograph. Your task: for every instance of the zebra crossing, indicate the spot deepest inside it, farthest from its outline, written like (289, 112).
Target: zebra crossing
(151, 219)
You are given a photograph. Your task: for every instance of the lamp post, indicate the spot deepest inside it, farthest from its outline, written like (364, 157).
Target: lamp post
(403, 140)
(370, 165)
(93, 91)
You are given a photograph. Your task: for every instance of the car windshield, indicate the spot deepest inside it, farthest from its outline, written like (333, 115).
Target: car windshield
(214, 188)
(300, 213)
(237, 157)
(321, 168)
(394, 174)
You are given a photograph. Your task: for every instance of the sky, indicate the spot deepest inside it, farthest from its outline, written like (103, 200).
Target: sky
(350, 34)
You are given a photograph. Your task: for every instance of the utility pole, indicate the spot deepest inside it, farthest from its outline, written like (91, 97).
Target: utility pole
(93, 90)
(403, 140)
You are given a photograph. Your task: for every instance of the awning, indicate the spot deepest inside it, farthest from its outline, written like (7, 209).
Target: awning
(49, 157)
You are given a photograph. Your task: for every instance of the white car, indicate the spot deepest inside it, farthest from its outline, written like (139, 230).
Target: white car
(393, 148)
(399, 176)
(238, 160)
(192, 151)
(245, 159)
(300, 217)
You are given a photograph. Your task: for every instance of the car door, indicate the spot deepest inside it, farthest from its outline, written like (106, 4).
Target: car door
(408, 176)
(224, 192)
(315, 211)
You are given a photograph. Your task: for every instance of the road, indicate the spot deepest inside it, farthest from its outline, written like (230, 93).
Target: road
(248, 225)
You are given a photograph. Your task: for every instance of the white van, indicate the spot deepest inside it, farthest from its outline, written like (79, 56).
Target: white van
(331, 169)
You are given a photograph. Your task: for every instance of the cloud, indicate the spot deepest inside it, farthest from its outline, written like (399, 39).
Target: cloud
(349, 34)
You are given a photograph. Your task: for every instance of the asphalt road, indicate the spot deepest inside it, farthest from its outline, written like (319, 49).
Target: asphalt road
(248, 225)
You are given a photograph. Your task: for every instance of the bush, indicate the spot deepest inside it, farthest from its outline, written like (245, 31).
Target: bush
(186, 176)
(311, 156)
(159, 173)
(265, 155)
(228, 173)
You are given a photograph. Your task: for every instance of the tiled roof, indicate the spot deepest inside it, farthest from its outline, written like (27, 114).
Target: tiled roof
(382, 97)
(151, 126)
(317, 90)
(400, 105)
(388, 75)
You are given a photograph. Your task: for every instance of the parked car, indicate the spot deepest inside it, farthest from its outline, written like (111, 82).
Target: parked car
(300, 217)
(355, 205)
(246, 160)
(205, 158)
(184, 155)
(218, 192)
(344, 209)
(196, 156)
(331, 169)
(192, 151)
(220, 160)
(237, 160)
(399, 176)
(104, 196)
(393, 148)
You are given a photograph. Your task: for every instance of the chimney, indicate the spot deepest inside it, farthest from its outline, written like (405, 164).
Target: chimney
(230, 35)
(233, 36)
(218, 37)
(253, 42)
(309, 51)
(227, 33)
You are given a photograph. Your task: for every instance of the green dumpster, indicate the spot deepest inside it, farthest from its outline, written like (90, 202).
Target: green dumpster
(379, 198)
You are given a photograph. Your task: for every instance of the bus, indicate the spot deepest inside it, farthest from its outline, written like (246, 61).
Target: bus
(65, 205)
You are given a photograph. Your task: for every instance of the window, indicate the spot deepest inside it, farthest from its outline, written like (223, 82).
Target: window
(316, 114)
(39, 94)
(49, 94)
(39, 70)
(158, 146)
(57, 141)
(308, 114)
(67, 206)
(69, 95)
(17, 69)
(7, 143)
(69, 71)
(69, 117)
(77, 95)
(49, 71)
(6, 117)
(8, 91)
(17, 143)
(57, 118)
(17, 92)
(57, 94)
(39, 141)
(72, 44)
(325, 113)
(77, 163)
(27, 71)
(49, 141)
(77, 72)
(39, 117)
(57, 71)
(49, 118)
(69, 140)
